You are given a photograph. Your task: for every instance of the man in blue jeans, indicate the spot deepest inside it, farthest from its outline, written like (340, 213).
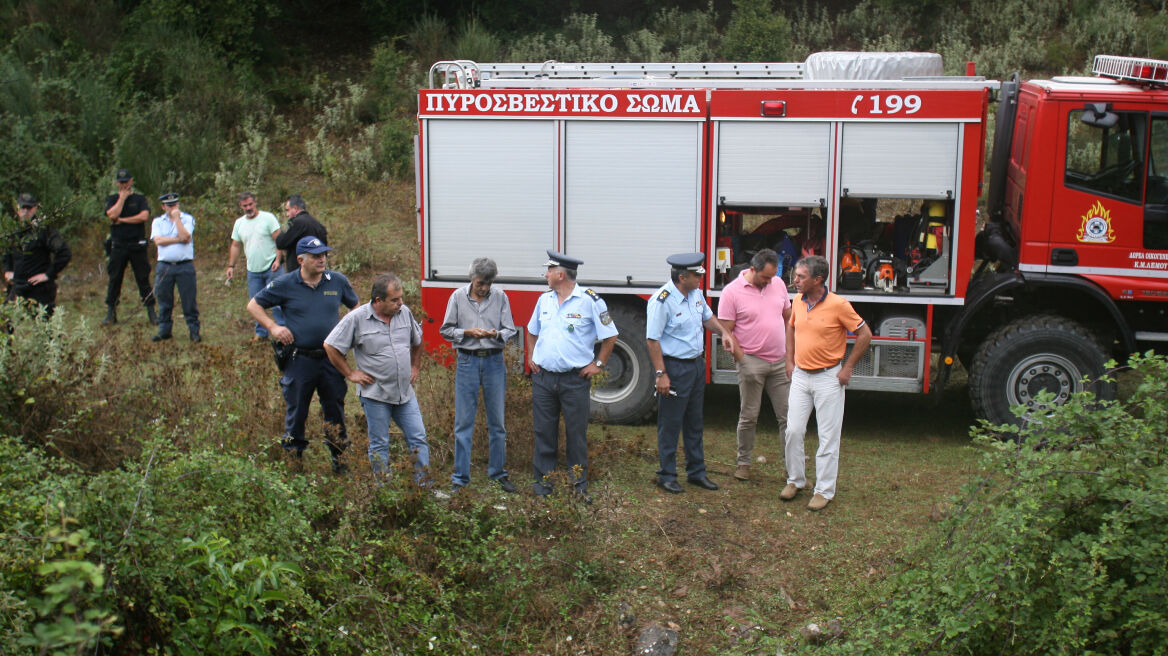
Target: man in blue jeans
(386, 342)
(255, 235)
(479, 324)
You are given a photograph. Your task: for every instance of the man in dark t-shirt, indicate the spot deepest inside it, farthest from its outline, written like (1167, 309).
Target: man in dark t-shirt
(127, 212)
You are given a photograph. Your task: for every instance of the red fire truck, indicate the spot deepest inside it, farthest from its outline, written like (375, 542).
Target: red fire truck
(873, 160)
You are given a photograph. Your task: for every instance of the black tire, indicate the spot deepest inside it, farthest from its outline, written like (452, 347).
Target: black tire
(624, 394)
(1031, 354)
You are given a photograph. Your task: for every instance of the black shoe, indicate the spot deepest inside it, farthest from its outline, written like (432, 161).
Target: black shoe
(151, 316)
(670, 486)
(195, 337)
(704, 482)
(584, 496)
(505, 483)
(161, 336)
(339, 467)
(111, 317)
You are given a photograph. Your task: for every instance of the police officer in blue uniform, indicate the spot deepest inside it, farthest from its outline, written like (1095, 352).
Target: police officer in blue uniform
(567, 322)
(677, 317)
(311, 298)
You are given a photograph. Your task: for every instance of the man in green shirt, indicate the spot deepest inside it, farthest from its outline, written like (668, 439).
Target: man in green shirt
(255, 232)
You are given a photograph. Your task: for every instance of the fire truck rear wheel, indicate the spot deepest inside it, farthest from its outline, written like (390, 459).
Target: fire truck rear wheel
(624, 394)
(1042, 352)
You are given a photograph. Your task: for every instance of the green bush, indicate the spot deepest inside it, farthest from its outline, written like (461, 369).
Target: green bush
(688, 36)
(756, 33)
(393, 81)
(476, 43)
(1059, 548)
(580, 40)
(48, 367)
(53, 597)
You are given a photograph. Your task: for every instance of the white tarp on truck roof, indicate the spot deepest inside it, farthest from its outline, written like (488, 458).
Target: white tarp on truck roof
(871, 65)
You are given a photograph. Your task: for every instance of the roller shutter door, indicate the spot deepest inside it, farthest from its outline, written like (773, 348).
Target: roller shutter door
(777, 164)
(632, 197)
(491, 194)
(905, 160)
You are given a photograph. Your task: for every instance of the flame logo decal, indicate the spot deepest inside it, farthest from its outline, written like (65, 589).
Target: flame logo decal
(1096, 228)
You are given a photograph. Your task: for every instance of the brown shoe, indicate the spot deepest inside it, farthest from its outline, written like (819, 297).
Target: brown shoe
(789, 492)
(742, 473)
(818, 503)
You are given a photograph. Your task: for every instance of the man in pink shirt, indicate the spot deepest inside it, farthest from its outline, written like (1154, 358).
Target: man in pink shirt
(755, 307)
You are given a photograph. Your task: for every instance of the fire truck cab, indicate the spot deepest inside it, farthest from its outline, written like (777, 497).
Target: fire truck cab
(874, 160)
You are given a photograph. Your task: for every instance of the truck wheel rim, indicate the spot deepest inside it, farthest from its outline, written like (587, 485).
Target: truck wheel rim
(1044, 371)
(621, 374)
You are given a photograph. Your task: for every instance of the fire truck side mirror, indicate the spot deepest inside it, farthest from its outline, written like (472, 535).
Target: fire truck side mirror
(1097, 115)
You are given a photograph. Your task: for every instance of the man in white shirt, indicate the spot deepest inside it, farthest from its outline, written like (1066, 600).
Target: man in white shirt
(172, 233)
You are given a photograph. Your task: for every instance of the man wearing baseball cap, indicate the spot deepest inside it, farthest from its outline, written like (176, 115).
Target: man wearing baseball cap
(35, 256)
(311, 298)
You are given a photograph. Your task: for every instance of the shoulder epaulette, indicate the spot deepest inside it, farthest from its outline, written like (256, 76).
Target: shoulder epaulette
(594, 295)
(663, 295)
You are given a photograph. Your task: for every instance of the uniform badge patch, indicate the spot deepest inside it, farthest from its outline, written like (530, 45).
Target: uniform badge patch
(663, 295)
(594, 295)
(605, 318)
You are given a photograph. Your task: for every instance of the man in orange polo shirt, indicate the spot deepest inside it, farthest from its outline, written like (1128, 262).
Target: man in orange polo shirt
(817, 338)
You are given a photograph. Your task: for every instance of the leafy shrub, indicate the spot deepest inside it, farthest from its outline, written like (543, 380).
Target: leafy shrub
(53, 597)
(246, 164)
(47, 366)
(429, 39)
(343, 146)
(1059, 548)
(580, 40)
(393, 81)
(476, 43)
(689, 36)
(756, 33)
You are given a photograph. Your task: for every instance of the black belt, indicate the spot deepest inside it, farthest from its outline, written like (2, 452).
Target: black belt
(174, 263)
(670, 357)
(481, 353)
(819, 370)
(570, 372)
(315, 354)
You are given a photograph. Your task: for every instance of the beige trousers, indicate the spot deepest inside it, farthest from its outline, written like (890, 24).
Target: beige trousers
(754, 376)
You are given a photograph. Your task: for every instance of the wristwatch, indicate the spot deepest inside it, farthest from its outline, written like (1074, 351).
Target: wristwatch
(659, 373)
(599, 363)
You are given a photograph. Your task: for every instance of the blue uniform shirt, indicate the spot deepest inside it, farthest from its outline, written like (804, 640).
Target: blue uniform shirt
(164, 227)
(309, 313)
(568, 332)
(676, 321)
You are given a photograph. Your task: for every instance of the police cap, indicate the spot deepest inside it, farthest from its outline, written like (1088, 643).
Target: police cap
(557, 259)
(123, 175)
(688, 261)
(311, 245)
(26, 200)
(169, 198)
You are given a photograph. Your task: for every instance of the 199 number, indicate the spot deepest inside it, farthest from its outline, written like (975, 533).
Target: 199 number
(886, 104)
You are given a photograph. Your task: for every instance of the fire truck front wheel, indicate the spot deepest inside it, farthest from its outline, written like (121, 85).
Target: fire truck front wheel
(624, 394)
(1031, 355)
